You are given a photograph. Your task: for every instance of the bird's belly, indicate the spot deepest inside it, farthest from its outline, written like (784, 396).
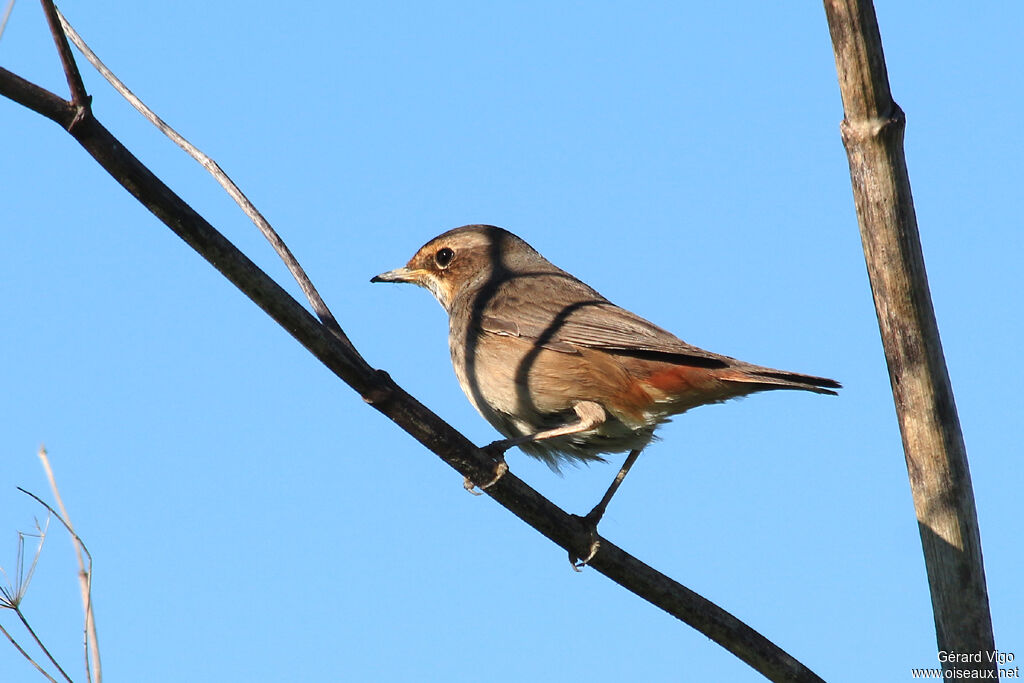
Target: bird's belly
(522, 389)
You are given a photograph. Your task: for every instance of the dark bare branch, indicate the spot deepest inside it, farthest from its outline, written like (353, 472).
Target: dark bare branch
(39, 100)
(67, 60)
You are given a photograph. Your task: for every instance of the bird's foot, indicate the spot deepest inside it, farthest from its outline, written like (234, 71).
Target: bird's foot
(593, 541)
(497, 452)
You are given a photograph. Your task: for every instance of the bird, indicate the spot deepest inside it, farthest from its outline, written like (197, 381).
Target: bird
(556, 368)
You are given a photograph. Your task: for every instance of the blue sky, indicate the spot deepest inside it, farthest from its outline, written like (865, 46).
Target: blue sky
(252, 519)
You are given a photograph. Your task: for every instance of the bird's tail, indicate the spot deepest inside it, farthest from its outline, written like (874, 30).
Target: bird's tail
(768, 378)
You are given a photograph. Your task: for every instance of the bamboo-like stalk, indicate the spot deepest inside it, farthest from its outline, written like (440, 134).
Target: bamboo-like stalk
(936, 456)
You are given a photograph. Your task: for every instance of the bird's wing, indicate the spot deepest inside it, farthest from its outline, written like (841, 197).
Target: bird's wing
(581, 317)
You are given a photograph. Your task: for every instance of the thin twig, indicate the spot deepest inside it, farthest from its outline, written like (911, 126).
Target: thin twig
(61, 520)
(85, 550)
(27, 655)
(7, 15)
(250, 210)
(74, 78)
(28, 627)
(93, 669)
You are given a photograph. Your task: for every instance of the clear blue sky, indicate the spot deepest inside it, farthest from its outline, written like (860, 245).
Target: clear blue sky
(252, 519)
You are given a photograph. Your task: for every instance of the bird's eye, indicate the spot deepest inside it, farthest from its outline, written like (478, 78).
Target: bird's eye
(443, 257)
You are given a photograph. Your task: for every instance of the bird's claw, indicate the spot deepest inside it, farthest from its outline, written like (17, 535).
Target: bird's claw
(500, 468)
(590, 525)
(578, 563)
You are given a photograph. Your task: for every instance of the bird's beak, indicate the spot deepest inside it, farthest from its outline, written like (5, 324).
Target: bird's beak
(418, 276)
(402, 274)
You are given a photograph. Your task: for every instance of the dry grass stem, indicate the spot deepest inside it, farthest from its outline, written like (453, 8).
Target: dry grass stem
(93, 669)
(7, 15)
(14, 592)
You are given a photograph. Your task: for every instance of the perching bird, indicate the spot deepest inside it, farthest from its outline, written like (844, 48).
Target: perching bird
(555, 367)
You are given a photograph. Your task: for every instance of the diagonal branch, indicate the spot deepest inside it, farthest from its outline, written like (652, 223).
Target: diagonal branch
(377, 389)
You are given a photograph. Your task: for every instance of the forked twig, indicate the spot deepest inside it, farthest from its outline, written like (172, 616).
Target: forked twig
(78, 95)
(79, 543)
(13, 595)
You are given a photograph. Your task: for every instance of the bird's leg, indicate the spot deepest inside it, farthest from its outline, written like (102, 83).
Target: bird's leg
(595, 515)
(590, 415)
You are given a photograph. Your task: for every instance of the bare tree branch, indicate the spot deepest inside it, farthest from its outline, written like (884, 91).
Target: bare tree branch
(932, 441)
(74, 78)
